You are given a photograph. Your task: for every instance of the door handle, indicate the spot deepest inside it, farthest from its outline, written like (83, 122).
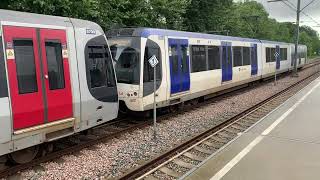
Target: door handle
(46, 76)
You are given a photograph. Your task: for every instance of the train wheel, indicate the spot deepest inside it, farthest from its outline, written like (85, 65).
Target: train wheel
(3, 160)
(25, 155)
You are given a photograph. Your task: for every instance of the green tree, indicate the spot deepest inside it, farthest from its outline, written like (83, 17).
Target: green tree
(206, 15)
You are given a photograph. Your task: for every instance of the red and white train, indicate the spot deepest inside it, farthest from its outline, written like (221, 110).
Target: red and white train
(56, 79)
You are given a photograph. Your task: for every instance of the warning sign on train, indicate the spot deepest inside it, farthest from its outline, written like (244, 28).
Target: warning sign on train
(10, 54)
(153, 61)
(65, 53)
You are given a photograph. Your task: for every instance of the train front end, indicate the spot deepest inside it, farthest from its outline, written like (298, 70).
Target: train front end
(131, 53)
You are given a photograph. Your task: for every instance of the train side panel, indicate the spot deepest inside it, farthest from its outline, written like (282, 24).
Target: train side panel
(99, 103)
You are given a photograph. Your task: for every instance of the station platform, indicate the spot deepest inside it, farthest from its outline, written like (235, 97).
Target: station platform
(283, 145)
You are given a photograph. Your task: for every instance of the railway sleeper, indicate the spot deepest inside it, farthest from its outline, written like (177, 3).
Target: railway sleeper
(171, 172)
(194, 157)
(232, 130)
(218, 139)
(181, 163)
(150, 177)
(200, 149)
(240, 128)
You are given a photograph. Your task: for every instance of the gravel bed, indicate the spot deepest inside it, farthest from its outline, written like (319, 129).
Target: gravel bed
(116, 156)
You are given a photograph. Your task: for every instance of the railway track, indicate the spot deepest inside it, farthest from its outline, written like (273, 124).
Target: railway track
(104, 133)
(175, 163)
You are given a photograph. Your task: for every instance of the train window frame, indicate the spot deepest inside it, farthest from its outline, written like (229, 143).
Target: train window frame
(214, 62)
(184, 58)
(283, 54)
(237, 52)
(198, 55)
(29, 89)
(268, 53)
(272, 52)
(3, 73)
(60, 83)
(148, 79)
(107, 93)
(246, 56)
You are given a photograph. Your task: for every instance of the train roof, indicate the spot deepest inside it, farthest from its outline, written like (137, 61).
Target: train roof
(32, 18)
(146, 32)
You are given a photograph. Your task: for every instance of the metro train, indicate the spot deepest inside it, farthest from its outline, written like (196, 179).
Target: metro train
(56, 79)
(192, 65)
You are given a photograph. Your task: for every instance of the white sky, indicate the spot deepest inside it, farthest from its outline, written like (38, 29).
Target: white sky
(282, 13)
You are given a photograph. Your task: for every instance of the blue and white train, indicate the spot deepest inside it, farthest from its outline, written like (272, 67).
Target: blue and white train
(192, 65)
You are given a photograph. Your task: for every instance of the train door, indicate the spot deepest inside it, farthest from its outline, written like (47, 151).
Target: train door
(226, 61)
(179, 65)
(254, 60)
(277, 56)
(39, 77)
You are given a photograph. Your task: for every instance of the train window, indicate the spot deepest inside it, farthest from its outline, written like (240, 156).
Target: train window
(3, 75)
(175, 61)
(273, 51)
(26, 69)
(126, 53)
(99, 69)
(198, 60)
(229, 60)
(151, 49)
(246, 56)
(55, 65)
(184, 59)
(237, 56)
(268, 52)
(214, 57)
(284, 54)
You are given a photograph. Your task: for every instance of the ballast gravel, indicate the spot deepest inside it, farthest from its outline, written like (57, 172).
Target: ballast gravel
(116, 156)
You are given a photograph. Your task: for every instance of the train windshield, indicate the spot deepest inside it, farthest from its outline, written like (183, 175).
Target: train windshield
(126, 53)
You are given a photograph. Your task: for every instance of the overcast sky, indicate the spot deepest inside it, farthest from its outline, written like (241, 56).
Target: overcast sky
(281, 12)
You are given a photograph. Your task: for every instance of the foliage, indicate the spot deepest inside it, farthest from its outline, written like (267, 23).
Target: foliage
(248, 19)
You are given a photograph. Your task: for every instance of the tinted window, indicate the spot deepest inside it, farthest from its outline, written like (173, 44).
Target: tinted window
(284, 54)
(268, 52)
(237, 56)
(26, 70)
(198, 60)
(254, 55)
(184, 60)
(151, 49)
(127, 66)
(229, 60)
(246, 56)
(99, 69)
(174, 56)
(55, 65)
(3, 75)
(126, 53)
(214, 57)
(273, 51)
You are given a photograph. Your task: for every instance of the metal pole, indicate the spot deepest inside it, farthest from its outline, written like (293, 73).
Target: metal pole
(154, 103)
(297, 41)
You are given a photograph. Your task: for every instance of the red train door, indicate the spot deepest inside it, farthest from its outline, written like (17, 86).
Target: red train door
(36, 58)
(23, 65)
(54, 53)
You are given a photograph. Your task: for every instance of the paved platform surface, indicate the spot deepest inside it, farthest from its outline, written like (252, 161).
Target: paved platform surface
(284, 145)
